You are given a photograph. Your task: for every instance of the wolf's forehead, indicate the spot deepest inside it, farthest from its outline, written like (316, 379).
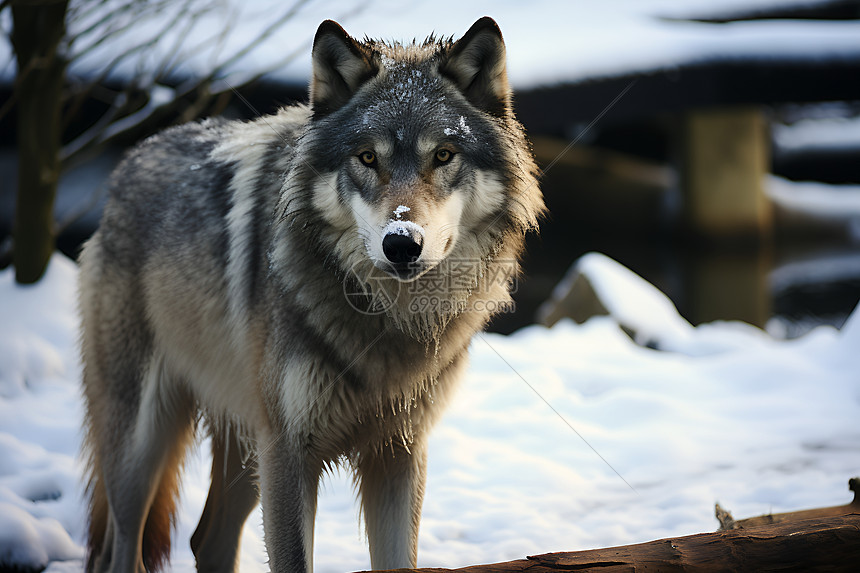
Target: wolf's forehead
(408, 95)
(410, 81)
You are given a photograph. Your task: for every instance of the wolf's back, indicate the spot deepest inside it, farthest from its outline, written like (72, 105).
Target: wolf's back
(166, 190)
(158, 264)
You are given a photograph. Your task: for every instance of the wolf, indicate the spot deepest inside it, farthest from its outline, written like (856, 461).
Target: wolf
(261, 280)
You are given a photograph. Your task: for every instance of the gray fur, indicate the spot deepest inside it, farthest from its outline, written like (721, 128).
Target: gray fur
(216, 283)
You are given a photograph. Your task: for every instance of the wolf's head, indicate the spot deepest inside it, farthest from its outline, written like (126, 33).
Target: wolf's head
(413, 156)
(412, 141)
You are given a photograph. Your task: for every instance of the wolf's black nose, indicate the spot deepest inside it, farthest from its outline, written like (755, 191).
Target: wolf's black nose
(401, 249)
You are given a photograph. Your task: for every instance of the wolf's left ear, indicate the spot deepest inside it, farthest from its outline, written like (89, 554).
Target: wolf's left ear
(476, 64)
(340, 66)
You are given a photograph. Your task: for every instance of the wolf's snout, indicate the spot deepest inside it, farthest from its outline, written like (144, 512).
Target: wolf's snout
(401, 249)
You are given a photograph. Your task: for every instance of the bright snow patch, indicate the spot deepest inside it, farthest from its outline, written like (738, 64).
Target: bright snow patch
(40, 414)
(402, 228)
(731, 415)
(400, 210)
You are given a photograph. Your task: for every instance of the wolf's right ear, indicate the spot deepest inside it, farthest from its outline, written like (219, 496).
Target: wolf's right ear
(340, 66)
(476, 64)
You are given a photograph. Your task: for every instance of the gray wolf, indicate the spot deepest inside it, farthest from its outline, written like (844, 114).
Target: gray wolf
(226, 284)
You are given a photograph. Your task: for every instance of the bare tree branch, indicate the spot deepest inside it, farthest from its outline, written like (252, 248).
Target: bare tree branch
(92, 134)
(81, 209)
(219, 40)
(108, 18)
(123, 119)
(265, 34)
(117, 21)
(173, 53)
(116, 111)
(283, 62)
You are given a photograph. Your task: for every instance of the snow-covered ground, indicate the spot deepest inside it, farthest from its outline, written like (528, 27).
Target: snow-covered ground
(560, 439)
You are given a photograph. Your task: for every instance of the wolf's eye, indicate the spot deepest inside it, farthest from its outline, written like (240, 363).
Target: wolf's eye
(444, 155)
(368, 158)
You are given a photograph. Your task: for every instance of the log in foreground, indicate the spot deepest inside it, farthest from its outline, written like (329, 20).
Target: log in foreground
(814, 540)
(829, 544)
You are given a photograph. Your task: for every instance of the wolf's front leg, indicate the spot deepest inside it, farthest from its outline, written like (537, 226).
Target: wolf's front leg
(289, 480)
(392, 491)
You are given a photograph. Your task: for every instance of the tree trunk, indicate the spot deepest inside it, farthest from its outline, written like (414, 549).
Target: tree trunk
(37, 29)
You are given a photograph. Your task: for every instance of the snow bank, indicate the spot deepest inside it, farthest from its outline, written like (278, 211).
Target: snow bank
(34, 347)
(40, 509)
(642, 310)
(32, 541)
(560, 439)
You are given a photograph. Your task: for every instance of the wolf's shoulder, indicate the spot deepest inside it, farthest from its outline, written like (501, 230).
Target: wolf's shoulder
(199, 138)
(187, 142)
(202, 134)
(217, 139)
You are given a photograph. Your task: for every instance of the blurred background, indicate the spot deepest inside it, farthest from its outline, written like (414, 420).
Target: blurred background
(711, 147)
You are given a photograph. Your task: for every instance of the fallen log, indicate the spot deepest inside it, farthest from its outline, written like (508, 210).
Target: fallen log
(799, 542)
(829, 544)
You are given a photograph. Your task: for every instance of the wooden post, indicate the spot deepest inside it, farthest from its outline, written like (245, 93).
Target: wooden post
(725, 158)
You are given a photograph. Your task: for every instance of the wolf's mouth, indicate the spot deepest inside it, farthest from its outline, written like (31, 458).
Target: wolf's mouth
(404, 272)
